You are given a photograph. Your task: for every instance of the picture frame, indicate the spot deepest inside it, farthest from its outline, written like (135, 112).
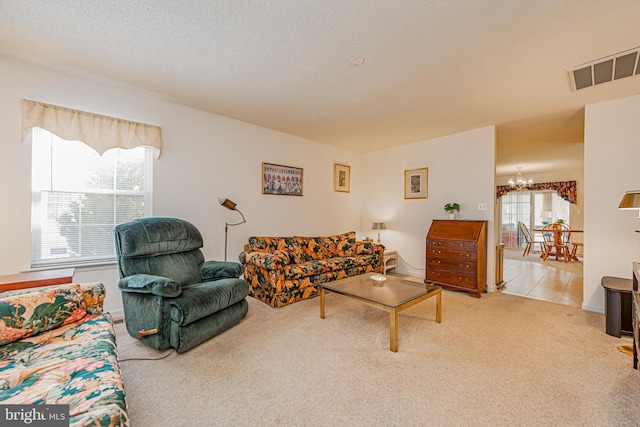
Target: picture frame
(341, 178)
(282, 180)
(416, 183)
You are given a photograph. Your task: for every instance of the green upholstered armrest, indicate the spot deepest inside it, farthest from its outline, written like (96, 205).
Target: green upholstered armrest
(216, 270)
(150, 284)
(271, 261)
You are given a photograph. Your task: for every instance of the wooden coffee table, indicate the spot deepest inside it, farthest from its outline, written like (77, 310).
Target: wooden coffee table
(393, 296)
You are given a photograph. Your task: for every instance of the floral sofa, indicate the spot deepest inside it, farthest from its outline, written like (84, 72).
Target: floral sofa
(58, 347)
(282, 270)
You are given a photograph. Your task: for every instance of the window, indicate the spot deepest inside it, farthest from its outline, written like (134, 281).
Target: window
(78, 197)
(530, 208)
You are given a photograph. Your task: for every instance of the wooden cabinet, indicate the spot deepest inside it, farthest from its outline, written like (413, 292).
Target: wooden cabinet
(34, 279)
(635, 295)
(456, 256)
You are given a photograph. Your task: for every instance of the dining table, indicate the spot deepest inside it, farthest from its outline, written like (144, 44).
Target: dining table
(557, 239)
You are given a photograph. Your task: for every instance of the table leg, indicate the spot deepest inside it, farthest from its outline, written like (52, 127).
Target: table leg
(393, 330)
(439, 307)
(321, 302)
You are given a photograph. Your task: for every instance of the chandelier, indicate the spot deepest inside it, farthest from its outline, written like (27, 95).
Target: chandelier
(520, 183)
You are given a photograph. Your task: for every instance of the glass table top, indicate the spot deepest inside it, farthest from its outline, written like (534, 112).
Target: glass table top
(393, 293)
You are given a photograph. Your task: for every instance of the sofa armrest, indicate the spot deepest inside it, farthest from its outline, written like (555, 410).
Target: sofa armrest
(216, 270)
(369, 248)
(94, 294)
(150, 284)
(267, 260)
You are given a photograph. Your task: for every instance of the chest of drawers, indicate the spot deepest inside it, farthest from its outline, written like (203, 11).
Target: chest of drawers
(456, 255)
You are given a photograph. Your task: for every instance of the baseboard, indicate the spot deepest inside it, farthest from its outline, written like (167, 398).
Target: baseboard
(117, 315)
(594, 308)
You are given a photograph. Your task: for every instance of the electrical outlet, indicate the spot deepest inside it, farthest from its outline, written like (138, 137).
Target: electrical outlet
(482, 206)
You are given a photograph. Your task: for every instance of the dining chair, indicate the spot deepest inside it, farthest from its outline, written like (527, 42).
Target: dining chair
(531, 240)
(556, 241)
(574, 250)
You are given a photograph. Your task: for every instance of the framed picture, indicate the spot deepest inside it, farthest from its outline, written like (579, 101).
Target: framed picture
(341, 178)
(281, 180)
(415, 183)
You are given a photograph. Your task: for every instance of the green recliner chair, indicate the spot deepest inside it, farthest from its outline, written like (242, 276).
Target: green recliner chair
(172, 297)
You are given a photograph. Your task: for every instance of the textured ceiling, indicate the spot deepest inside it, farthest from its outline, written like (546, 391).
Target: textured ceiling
(431, 68)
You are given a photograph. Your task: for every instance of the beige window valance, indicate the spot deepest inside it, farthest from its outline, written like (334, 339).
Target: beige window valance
(99, 132)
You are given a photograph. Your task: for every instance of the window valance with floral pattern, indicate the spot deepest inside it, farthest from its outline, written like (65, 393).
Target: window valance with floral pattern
(565, 189)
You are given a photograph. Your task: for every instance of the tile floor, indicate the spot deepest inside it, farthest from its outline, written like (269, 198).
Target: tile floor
(551, 280)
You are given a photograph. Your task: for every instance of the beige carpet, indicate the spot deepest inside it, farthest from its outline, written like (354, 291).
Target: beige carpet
(498, 360)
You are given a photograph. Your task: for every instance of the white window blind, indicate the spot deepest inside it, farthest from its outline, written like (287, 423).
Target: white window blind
(78, 197)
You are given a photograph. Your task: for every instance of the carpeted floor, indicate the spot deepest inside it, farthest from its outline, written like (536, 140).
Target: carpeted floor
(497, 360)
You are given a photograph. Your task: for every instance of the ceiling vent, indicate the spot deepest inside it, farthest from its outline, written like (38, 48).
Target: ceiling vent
(603, 70)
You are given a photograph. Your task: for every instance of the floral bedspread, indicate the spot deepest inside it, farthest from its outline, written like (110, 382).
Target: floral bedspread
(72, 363)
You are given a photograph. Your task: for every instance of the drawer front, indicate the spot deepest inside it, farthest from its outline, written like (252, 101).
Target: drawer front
(451, 254)
(461, 245)
(451, 277)
(452, 264)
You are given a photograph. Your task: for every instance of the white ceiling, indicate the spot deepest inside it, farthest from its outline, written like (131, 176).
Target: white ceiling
(432, 67)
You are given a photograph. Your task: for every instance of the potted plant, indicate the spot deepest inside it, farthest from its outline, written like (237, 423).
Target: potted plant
(452, 209)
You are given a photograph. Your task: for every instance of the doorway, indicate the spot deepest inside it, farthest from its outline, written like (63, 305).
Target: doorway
(529, 276)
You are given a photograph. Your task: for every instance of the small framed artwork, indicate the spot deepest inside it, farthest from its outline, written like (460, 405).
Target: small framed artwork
(282, 180)
(415, 183)
(341, 178)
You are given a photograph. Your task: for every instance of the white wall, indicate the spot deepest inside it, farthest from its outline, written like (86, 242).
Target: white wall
(204, 157)
(611, 159)
(461, 169)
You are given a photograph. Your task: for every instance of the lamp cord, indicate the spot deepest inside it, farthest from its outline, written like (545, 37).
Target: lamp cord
(144, 358)
(405, 261)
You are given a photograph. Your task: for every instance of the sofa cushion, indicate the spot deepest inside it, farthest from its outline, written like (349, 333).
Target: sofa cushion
(267, 244)
(344, 244)
(31, 313)
(94, 294)
(271, 261)
(297, 248)
(364, 248)
(310, 268)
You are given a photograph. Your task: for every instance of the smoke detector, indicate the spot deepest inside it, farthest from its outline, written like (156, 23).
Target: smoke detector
(604, 70)
(355, 61)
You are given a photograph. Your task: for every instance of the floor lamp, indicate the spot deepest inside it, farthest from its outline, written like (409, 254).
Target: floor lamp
(231, 206)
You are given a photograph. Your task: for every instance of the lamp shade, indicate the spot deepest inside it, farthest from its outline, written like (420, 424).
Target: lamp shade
(630, 200)
(379, 226)
(227, 203)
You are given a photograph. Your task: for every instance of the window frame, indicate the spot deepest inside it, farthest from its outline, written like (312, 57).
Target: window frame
(45, 189)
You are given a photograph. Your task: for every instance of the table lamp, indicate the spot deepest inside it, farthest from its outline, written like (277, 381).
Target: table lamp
(379, 226)
(231, 206)
(630, 200)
